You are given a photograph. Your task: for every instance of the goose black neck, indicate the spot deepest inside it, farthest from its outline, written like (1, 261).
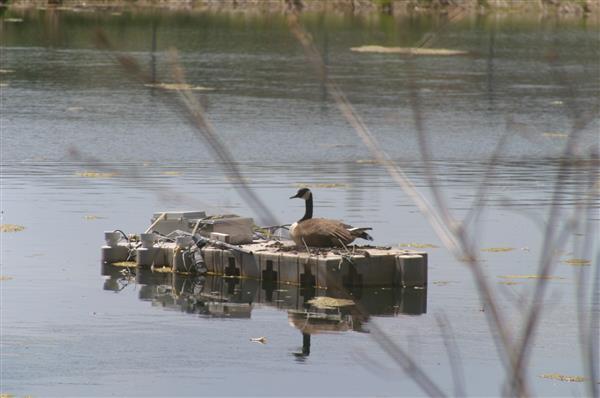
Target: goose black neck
(309, 208)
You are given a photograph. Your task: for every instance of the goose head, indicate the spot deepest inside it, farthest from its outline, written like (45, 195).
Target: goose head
(303, 193)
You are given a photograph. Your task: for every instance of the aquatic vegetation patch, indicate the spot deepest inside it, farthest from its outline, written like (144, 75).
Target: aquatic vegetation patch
(91, 217)
(178, 86)
(553, 134)
(13, 20)
(530, 277)
(124, 264)
(407, 50)
(11, 228)
(498, 249)
(95, 174)
(509, 283)
(443, 283)
(367, 161)
(419, 245)
(172, 173)
(577, 261)
(162, 270)
(559, 377)
(324, 302)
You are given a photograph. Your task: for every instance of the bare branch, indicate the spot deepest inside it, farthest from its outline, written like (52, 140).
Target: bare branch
(456, 366)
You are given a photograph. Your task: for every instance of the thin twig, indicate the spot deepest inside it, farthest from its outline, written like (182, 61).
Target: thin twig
(456, 366)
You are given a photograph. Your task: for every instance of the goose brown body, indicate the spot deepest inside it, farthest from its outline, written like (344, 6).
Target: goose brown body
(322, 232)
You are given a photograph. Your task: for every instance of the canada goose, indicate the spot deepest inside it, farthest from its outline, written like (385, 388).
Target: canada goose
(322, 232)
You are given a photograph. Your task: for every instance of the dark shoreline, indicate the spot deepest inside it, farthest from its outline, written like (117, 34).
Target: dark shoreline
(566, 8)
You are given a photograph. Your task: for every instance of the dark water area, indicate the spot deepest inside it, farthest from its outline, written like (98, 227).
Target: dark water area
(70, 327)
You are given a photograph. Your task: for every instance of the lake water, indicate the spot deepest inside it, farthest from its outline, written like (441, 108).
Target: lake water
(70, 328)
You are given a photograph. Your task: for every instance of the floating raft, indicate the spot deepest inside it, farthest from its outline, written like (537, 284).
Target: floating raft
(276, 261)
(367, 266)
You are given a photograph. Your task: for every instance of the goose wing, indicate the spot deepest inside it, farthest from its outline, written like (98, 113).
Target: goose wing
(324, 232)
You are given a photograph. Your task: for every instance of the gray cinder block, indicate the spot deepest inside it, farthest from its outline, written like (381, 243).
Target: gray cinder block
(307, 267)
(269, 267)
(213, 258)
(330, 272)
(288, 268)
(113, 254)
(146, 257)
(220, 237)
(250, 266)
(231, 264)
(374, 270)
(412, 269)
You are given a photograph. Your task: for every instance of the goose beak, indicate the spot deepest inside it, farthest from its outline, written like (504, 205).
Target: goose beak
(295, 196)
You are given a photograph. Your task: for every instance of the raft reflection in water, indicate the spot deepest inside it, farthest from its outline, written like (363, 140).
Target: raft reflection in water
(311, 310)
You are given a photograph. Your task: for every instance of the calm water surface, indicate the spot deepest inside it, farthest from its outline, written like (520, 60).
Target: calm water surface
(72, 329)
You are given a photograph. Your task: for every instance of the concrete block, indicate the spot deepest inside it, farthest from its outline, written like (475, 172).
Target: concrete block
(355, 272)
(231, 264)
(288, 268)
(208, 257)
(424, 255)
(330, 271)
(388, 264)
(182, 220)
(269, 275)
(113, 254)
(151, 256)
(220, 237)
(239, 229)
(213, 258)
(268, 264)
(372, 271)
(412, 269)
(307, 267)
(112, 238)
(250, 266)
(163, 256)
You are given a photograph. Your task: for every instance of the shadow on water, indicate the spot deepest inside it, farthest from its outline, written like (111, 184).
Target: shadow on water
(213, 296)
